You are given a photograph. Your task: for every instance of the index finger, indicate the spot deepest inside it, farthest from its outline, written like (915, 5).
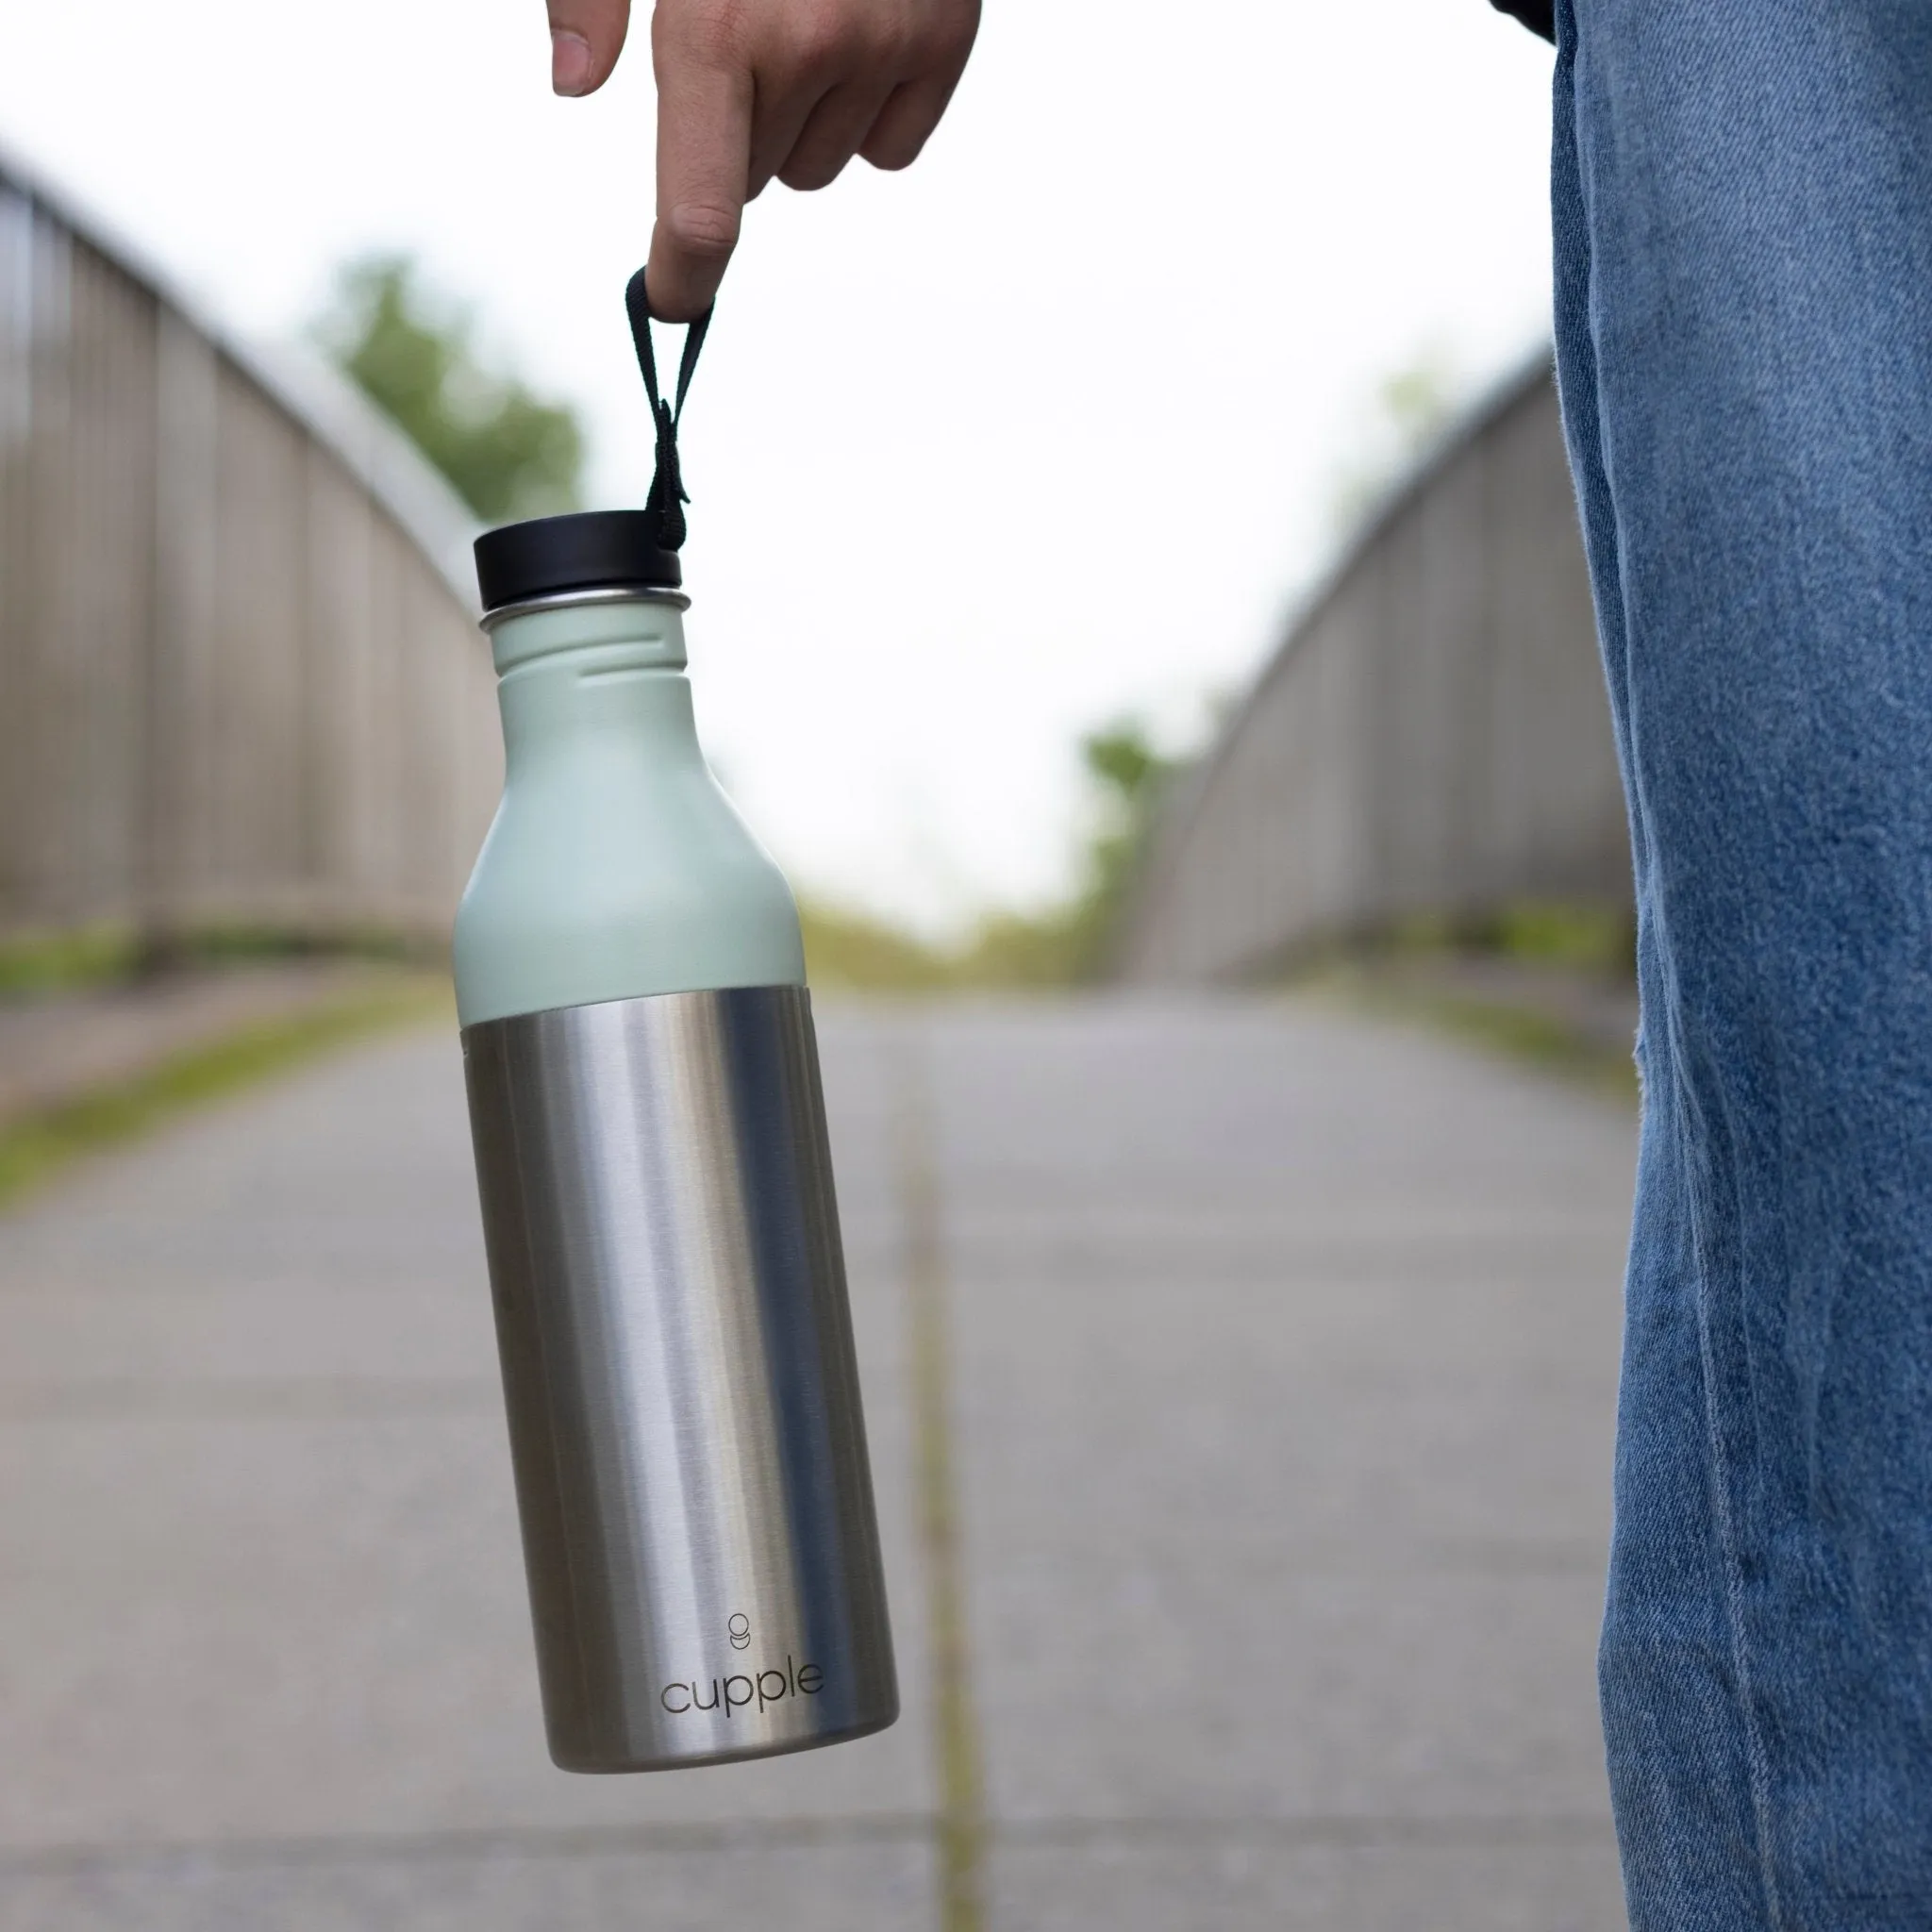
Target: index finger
(704, 160)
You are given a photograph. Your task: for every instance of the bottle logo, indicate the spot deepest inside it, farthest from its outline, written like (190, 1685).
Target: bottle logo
(739, 1630)
(757, 1690)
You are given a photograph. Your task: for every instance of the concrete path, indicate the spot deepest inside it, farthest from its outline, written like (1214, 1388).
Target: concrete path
(61, 1045)
(1240, 1383)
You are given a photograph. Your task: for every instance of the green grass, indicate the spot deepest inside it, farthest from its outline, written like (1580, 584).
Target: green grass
(853, 951)
(1579, 936)
(1536, 1037)
(1406, 972)
(1584, 938)
(37, 1145)
(1539, 1039)
(34, 964)
(66, 961)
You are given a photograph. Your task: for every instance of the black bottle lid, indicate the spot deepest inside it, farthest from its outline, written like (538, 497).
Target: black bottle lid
(594, 550)
(605, 549)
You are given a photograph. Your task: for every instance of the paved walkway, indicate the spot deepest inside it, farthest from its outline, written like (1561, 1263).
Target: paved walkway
(1268, 1486)
(62, 1045)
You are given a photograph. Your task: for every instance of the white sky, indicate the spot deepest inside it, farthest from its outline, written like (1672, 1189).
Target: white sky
(1042, 431)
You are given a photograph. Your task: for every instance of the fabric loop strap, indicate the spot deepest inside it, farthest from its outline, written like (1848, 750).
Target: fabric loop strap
(667, 499)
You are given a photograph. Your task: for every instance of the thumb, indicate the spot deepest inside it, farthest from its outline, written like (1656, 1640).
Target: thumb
(585, 38)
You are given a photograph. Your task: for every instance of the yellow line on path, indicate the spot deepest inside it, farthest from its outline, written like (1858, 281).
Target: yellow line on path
(961, 1825)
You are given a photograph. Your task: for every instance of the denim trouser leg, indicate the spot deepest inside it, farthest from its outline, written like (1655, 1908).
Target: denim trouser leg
(1742, 201)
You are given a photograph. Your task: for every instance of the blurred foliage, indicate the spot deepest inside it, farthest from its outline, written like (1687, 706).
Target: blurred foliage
(49, 964)
(1597, 939)
(1581, 936)
(1411, 410)
(850, 949)
(39, 963)
(1547, 981)
(1060, 945)
(506, 451)
(1129, 778)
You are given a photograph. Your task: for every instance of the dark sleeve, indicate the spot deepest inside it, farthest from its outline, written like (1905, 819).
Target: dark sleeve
(1538, 16)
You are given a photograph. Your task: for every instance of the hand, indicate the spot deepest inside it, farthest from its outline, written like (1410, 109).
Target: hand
(750, 90)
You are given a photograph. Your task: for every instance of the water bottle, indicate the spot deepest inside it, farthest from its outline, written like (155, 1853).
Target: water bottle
(664, 1244)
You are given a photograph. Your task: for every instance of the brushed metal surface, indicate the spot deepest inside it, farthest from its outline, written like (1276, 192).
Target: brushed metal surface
(678, 1367)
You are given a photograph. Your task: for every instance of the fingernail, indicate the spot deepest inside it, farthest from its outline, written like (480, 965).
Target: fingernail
(570, 62)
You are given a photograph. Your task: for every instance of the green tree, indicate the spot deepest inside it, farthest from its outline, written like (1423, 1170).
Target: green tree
(1069, 943)
(506, 451)
(1060, 945)
(1411, 410)
(1129, 776)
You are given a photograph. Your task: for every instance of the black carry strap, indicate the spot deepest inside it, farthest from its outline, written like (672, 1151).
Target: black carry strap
(667, 499)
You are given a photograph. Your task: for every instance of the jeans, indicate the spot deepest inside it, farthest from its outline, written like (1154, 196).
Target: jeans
(1742, 202)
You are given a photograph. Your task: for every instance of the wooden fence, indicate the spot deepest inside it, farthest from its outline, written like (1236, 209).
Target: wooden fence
(1432, 739)
(241, 681)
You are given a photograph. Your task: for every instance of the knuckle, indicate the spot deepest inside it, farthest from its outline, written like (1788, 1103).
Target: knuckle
(820, 40)
(893, 39)
(706, 231)
(710, 33)
(945, 35)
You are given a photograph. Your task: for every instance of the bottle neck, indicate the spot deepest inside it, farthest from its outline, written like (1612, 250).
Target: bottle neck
(588, 682)
(653, 627)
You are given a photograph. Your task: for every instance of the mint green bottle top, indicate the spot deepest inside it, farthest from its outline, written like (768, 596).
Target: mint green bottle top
(616, 867)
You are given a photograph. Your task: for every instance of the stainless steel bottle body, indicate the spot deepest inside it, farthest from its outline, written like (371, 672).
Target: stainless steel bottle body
(678, 1366)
